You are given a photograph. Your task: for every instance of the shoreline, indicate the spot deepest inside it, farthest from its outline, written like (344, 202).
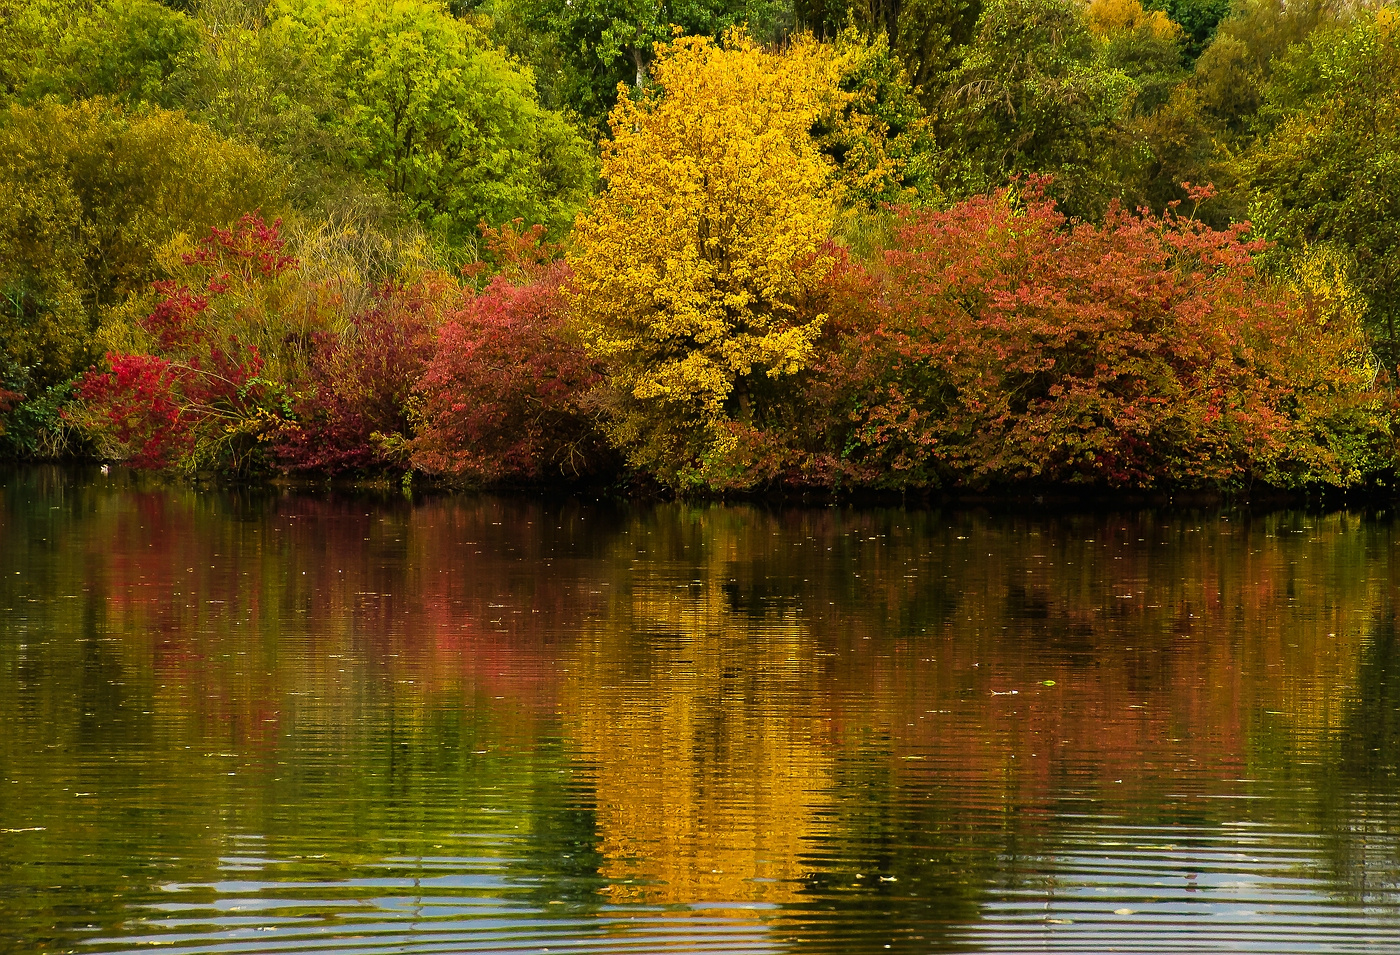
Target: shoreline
(1016, 499)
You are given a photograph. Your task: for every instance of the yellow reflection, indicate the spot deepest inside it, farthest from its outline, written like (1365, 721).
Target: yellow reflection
(700, 723)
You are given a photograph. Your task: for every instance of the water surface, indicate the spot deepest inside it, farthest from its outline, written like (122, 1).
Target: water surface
(281, 722)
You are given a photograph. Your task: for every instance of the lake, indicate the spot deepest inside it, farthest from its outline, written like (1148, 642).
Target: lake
(277, 721)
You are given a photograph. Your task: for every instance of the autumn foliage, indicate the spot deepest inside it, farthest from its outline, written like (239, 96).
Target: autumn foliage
(246, 367)
(789, 246)
(353, 415)
(692, 266)
(197, 397)
(250, 367)
(714, 328)
(505, 396)
(1013, 345)
(994, 343)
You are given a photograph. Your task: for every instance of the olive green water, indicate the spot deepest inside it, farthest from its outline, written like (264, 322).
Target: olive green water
(274, 722)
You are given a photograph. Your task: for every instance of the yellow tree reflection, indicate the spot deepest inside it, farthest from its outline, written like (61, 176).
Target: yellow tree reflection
(698, 716)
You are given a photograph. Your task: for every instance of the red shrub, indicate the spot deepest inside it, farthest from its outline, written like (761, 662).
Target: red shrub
(198, 401)
(252, 248)
(354, 415)
(1012, 345)
(505, 397)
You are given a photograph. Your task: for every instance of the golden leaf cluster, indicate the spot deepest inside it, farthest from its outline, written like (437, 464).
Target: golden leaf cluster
(692, 265)
(1129, 16)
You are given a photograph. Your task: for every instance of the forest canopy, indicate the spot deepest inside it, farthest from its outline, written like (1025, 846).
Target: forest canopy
(714, 245)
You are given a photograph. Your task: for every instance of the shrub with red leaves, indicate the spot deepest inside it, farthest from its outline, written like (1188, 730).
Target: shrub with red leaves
(197, 400)
(251, 249)
(1012, 345)
(140, 398)
(9, 400)
(506, 394)
(354, 414)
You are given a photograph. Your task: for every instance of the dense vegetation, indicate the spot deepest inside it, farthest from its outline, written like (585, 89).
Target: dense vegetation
(715, 245)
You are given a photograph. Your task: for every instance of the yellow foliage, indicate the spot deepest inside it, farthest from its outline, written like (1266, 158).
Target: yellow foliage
(1387, 18)
(1322, 275)
(1127, 16)
(691, 267)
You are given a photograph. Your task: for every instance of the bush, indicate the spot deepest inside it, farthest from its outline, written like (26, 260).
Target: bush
(32, 423)
(1013, 345)
(354, 414)
(507, 394)
(197, 398)
(8, 401)
(74, 49)
(250, 362)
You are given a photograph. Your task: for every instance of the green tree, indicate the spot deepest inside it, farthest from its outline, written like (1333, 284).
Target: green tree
(124, 49)
(1235, 68)
(1032, 95)
(267, 86)
(1176, 144)
(1144, 44)
(1197, 18)
(93, 194)
(878, 134)
(594, 46)
(1167, 140)
(408, 96)
(926, 35)
(1328, 172)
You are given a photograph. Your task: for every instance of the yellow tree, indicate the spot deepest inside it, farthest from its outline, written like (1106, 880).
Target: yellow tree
(694, 266)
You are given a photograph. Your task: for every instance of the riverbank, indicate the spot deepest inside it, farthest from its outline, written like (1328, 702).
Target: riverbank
(1044, 500)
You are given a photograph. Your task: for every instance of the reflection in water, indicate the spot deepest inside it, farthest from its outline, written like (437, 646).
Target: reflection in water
(700, 726)
(265, 721)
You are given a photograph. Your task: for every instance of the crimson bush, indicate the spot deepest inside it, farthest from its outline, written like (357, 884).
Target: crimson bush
(506, 395)
(197, 398)
(1012, 345)
(354, 413)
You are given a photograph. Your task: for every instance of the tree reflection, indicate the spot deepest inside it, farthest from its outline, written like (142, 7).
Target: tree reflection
(836, 727)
